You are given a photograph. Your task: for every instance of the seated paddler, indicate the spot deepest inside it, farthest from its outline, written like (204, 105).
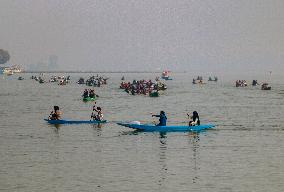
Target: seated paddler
(162, 119)
(55, 114)
(194, 119)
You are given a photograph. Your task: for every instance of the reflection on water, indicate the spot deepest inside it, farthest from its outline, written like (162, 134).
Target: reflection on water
(194, 142)
(98, 129)
(163, 136)
(55, 127)
(162, 158)
(132, 132)
(98, 126)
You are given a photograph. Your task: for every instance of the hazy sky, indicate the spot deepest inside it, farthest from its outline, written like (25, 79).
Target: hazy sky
(191, 35)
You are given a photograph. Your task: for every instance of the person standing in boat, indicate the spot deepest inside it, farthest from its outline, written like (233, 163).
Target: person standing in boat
(195, 119)
(162, 120)
(55, 114)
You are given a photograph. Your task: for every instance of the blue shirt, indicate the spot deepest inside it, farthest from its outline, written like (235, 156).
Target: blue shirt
(162, 120)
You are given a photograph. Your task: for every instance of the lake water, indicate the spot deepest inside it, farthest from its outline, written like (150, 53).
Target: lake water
(245, 151)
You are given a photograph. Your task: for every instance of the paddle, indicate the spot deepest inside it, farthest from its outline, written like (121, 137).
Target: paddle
(153, 119)
(188, 116)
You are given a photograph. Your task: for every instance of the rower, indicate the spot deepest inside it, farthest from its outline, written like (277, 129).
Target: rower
(162, 120)
(55, 114)
(99, 116)
(86, 93)
(195, 119)
(92, 93)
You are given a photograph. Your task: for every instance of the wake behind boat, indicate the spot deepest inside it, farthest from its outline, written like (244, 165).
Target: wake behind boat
(61, 121)
(170, 128)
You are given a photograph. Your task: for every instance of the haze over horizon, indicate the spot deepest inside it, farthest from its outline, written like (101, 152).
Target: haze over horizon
(210, 36)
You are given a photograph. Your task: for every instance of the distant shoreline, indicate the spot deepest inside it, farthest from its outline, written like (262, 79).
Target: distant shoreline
(95, 72)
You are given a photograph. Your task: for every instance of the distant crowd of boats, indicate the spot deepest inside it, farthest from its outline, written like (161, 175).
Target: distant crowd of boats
(199, 80)
(243, 83)
(95, 81)
(143, 87)
(61, 80)
(134, 87)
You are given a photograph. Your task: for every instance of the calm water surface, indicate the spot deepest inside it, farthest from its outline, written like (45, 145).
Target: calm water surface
(245, 152)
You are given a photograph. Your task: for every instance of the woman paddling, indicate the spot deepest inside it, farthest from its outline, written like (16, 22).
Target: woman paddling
(55, 115)
(162, 120)
(195, 119)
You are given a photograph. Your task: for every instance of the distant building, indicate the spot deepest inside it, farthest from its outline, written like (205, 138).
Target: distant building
(40, 66)
(49, 65)
(52, 63)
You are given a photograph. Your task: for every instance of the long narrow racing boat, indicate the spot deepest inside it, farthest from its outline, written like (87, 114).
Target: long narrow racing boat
(154, 128)
(74, 121)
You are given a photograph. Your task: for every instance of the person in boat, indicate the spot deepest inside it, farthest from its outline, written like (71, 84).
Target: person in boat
(86, 93)
(215, 78)
(55, 114)
(265, 86)
(254, 83)
(194, 119)
(98, 116)
(92, 93)
(162, 120)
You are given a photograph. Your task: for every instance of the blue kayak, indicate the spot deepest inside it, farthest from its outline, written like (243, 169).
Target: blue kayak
(154, 128)
(74, 121)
